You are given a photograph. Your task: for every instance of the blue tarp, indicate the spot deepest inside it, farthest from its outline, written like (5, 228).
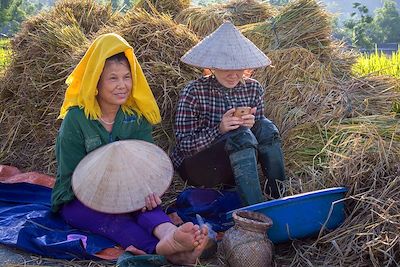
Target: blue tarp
(27, 223)
(210, 204)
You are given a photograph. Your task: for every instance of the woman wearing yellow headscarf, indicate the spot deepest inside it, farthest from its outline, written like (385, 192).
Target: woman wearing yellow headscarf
(108, 99)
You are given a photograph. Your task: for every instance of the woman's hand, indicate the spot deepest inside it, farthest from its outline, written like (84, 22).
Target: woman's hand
(249, 120)
(229, 122)
(151, 202)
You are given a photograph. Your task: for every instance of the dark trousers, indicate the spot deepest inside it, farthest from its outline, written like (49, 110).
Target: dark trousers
(213, 165)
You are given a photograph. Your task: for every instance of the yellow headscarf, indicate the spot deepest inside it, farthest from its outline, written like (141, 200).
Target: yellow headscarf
(82, 83)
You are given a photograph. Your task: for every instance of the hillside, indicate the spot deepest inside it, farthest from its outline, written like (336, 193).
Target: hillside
(345, 7)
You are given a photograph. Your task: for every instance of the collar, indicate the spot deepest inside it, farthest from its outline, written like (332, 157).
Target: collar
(216, 85)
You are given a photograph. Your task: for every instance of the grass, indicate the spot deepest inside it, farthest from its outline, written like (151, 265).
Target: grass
(5, 53)
(378, 64)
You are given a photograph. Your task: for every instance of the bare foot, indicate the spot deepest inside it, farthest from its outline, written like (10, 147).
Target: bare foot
(184, 238)
(135, 251)
(191, 257)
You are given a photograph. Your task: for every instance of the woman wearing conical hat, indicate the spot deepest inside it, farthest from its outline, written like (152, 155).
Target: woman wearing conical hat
(108, 99)
(220, 125)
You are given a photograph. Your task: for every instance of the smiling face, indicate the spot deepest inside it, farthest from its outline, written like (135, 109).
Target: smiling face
(115, 83)
(228, 78)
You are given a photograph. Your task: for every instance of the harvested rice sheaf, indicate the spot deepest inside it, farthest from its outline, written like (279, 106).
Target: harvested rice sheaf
(170, 7)
(299, 89)
(242, 12)
(32, 90)
(346, 151)
(340, 59)
(205, 20)
(362, 154)
(36, 85)
(159, 43)
(302, 23)
(201, 20)
(373, 95)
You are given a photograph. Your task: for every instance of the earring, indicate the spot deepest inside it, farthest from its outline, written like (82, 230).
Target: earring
(96, 92)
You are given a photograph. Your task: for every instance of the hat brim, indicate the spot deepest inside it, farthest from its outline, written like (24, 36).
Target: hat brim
(117, 177)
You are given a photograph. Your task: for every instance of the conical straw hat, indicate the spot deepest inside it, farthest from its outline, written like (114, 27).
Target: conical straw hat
(227, 49)
(117, 177)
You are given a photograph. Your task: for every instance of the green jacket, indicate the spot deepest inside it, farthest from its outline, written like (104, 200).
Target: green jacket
(79, 135)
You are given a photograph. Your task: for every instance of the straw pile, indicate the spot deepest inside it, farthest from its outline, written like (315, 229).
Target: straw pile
(338, 130)
(322, 146)
(159, 43)
(33, 86)
(339, 59)
(361, 153)
(372, 95)
(300, 89)
(55, 47)
(204, 20)
(171, 7)
(301, 23)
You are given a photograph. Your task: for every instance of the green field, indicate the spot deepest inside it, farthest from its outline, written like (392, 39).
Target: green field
(378, 64)
(5, 53)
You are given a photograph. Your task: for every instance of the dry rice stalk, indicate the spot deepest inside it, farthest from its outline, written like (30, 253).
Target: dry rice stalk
(368, 237)
(362, 154)
(348, 149)
(300, 23)
(242, 12)
(372, 95)
(290, 65)
(205, 20)
(33, 87)
(202, 21)
(159, 43)
(340, 59)
(36, 261)
(299, 89)
(171, 7)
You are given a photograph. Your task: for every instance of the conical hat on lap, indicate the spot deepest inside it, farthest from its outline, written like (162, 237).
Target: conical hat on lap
(228, 49)
(117, 177)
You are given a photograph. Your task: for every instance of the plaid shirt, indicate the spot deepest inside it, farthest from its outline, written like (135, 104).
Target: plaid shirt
(202, 103)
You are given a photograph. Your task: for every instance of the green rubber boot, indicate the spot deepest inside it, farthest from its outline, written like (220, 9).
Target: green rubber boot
(244, 167)
(271, 160)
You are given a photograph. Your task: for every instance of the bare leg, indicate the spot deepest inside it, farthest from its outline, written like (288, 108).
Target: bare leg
(177, 239)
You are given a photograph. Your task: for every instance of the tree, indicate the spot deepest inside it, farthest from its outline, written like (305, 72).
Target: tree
(386, 23)
(359, 26)
(8, 8)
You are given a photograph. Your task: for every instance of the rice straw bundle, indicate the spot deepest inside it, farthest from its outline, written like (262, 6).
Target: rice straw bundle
(362, 154)
(171, 7)
(340, 59)
(201, 20)
(300, 23)
(242, 12)
(32, 90)
(368, 237)
(159, 42)
(292, 65)
(372, 95)
(205, 20)
(299, 89)
(339, 148)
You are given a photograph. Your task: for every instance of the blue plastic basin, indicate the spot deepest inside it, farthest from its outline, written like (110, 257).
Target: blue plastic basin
(302, 215)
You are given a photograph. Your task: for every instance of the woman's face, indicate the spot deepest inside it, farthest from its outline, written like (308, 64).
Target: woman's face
(229, 78)
(115, 83)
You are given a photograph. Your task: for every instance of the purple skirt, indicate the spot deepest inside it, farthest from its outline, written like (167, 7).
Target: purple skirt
(126, 229)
